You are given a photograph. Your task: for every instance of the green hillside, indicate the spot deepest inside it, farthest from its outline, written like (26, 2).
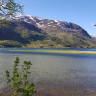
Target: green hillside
(22, 34)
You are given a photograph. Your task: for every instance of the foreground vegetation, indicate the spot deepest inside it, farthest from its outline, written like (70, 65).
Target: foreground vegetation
(18, 80)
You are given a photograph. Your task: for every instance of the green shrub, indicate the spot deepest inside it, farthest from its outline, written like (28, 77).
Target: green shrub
(18, 81)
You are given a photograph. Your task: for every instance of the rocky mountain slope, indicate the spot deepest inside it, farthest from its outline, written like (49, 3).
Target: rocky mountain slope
(30, 31)
(51, 26)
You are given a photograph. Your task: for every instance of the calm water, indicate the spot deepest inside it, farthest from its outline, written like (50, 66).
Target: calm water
(56, 74)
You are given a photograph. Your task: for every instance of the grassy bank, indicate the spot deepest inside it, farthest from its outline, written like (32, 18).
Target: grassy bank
(59, 51)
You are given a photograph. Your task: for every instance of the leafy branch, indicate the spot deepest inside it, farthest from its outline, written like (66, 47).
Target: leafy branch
(10, 7)
(19, 80)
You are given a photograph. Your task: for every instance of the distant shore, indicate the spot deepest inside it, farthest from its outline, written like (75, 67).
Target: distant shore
(59, 51)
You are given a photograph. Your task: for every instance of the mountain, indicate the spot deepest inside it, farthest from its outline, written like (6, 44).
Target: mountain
(30, 31)
(51, 26)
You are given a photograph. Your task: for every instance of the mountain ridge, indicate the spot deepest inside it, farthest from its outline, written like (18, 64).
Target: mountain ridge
(49, 24)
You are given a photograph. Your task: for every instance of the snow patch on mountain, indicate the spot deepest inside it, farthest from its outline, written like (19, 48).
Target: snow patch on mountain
(40, 25)
(56, 20)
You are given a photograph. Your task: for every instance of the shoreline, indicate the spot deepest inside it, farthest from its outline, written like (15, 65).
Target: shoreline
(58, 51)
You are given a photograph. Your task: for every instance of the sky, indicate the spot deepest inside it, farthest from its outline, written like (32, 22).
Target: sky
(80, 12)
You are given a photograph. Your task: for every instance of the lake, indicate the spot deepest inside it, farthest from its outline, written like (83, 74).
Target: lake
(55, 74)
